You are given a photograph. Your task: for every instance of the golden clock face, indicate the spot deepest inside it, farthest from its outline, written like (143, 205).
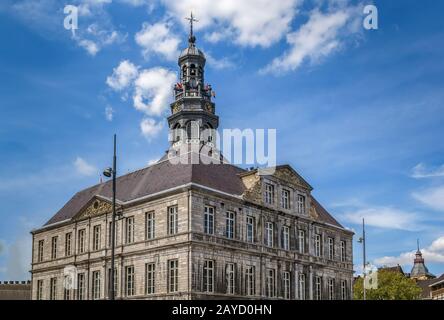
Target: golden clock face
(176, 108)
(209, 107)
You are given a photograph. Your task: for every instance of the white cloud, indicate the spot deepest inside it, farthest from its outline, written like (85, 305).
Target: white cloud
(421, 171)
(109, 113)
(432, 197)
(150, 128)
(158, 39)
(384, 217)
(153, 161)
(316, 39)
(123, 75)
(153, 90)
(84, 168)
(219, 64)
(248, 22)
(90, 46)
(432, 254)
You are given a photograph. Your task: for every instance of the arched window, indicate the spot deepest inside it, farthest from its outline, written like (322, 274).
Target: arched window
(208, 133)
(193, 70)
(177, 133)
(193, 130)
(184, 72)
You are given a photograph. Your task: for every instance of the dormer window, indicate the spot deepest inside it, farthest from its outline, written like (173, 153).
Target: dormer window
(269, 193)
(285, 199)
(301, 203)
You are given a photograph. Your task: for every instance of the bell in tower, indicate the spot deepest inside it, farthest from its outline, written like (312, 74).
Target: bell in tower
(193, 121)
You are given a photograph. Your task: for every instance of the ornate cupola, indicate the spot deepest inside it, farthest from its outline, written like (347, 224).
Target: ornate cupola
(419, 270)
(193, 120)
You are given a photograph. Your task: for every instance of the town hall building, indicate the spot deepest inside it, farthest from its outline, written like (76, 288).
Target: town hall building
(195, 230)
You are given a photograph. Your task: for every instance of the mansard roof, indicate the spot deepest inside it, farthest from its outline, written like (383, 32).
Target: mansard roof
(163, 176)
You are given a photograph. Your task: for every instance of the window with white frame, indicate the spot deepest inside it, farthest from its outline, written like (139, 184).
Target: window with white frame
(331, 248)
(96, 285)
(250, 280)
(331, 289)
(343, 252)
(129, 228)
(66, 290)
(270, 286)
(301, 286)
(68, 241)
(301, 203)
(80, 286)
(54, 247)
(318, 288)
(116, 286)
(285, 199)
(285, 238)
(230, 224)
(301, 241)
(230, 277)
(150, 278)
(208, 276)
(173, 275)
(53, 289)
(39, 290)
(172, 220)
(344, 289)
(209, 220)
(40, 250)
(130, 281)
(250, 229)
(286, 280)
(150, 225)
(269, 193)
(81, 240)
(269, 234)
(318, 245)
(110, 232)
(96, 237)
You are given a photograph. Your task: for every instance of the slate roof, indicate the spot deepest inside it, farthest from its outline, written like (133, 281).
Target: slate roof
(163, 176)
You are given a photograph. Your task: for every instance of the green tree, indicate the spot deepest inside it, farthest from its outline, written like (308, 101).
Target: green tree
(391, 286)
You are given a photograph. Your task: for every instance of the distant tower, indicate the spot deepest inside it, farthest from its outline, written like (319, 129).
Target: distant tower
(192, 111)
(419, 270)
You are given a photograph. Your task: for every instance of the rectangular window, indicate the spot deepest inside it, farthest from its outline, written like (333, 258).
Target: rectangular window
(53, 289)
(150, 226)
(129, 229)
(96, 285)
(110, 233)
(129, 281)
(343, 289)
(301, 241)
(230, 276)
(68, 240)
(54, 247)
(318, 288)
(250, 229)
(39, 290)
(80, 286)
(285, 238)
(301, 286)
(230, 224)
(96, 237)
(173, 275)
(301, 204)
(269, 193)
(318, 245)
(150, 278)
(250, 283)
(81, 241)
(209, 220)
(269, 234)
(66, 290)
(172, 220)
(40, 250)
(343, 252)
(208, 276)
(285, 199)
(115, 282)
(331, 289)
(271, 283)
(286, 280)
(331, 248)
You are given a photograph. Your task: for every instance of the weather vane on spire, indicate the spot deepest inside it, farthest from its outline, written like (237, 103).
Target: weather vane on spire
(191, 19)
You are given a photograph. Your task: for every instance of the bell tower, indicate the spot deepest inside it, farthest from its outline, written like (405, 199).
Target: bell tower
(193, 120)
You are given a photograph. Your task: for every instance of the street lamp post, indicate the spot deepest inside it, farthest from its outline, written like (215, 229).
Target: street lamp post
(364, 262)
(108, 173)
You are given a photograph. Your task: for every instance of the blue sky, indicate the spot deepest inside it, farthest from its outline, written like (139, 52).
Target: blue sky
(358, 113)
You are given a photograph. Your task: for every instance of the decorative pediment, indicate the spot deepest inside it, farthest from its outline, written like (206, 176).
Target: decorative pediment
(289, 176)
(95, 207)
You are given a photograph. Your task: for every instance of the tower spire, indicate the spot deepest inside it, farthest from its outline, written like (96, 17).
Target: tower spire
(191, 38)
(417, 242)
